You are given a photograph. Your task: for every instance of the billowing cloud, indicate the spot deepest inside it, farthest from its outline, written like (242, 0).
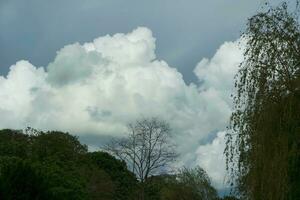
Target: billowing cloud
(218, 72)
(98, 87)
(211, 158)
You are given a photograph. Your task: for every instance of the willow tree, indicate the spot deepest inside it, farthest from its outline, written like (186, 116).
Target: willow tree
(263, 141)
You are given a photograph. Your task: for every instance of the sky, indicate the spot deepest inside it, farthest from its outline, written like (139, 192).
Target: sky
(185, 30)
(89, 67)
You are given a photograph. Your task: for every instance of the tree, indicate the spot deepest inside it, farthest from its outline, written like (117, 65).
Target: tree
(99, 184)
(263, 142)
(20, 179)
(14, 143)
(51, 165)
(124, 181)
(185, 185)
(57, 146)
(189, 184)
(147, 149)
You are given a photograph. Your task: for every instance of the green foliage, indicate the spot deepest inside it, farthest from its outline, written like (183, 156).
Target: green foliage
(57, 146)
(63, 182)
(155, 185)
(190, 184)
(99, 184)
(187, 184)
(21, 180)
(13, 143)
(263, 143)
(126, 182)
(54, 165)
(198, 181)
(26, 179)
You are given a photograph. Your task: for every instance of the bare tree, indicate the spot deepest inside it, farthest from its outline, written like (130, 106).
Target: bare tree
(147, 149)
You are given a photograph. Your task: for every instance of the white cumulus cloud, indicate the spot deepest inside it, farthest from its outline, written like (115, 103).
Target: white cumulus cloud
(98, 87)
(211, 158)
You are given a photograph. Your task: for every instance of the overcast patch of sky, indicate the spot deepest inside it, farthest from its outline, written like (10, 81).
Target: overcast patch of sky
(186, 31)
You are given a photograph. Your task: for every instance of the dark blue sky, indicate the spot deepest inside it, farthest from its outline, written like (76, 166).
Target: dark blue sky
(186, 30)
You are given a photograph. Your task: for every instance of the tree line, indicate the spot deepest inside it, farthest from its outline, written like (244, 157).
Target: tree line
(55, 165)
